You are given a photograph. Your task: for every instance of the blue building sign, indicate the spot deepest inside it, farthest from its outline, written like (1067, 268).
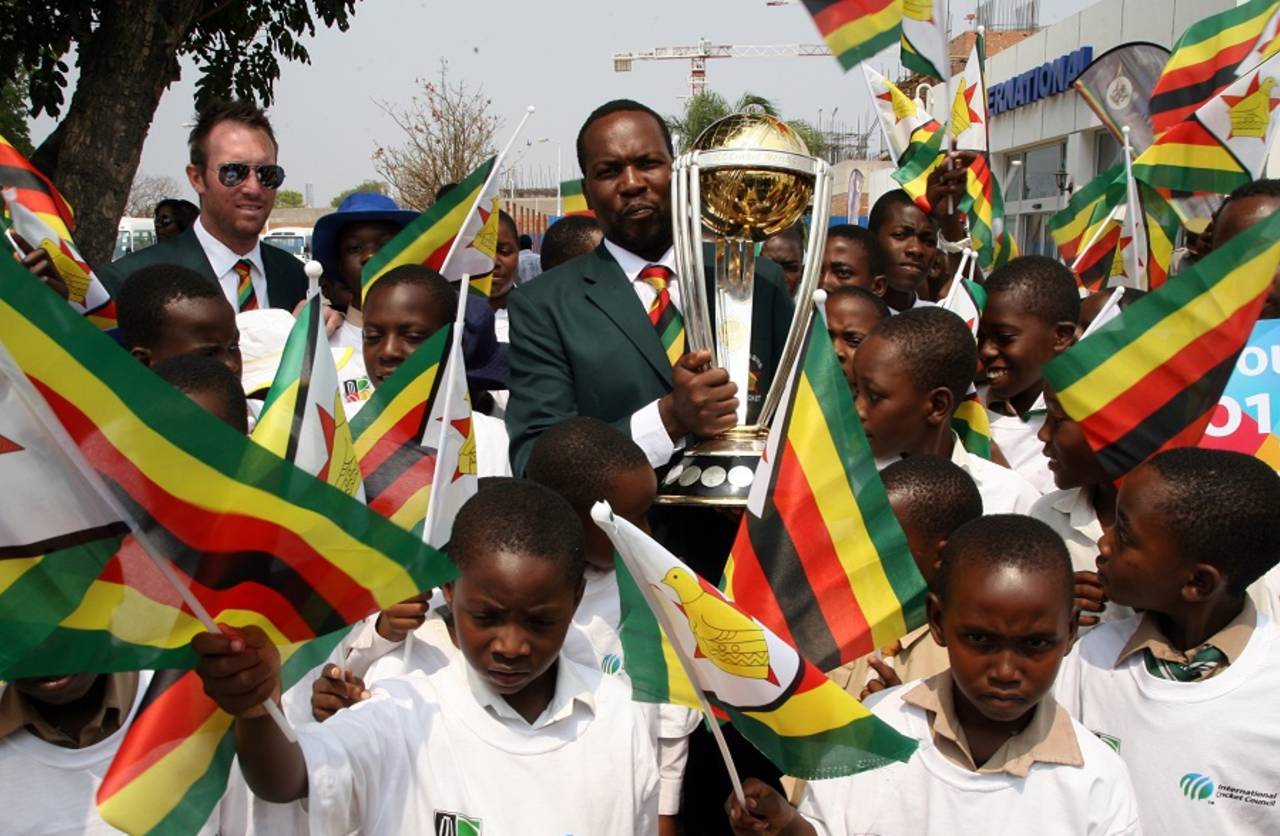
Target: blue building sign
(1048, 79)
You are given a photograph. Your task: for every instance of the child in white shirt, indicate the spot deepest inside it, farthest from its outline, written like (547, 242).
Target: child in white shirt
(996, 754)
(517, 738)
(911, 373)
(1186, 691)
(1030, 317)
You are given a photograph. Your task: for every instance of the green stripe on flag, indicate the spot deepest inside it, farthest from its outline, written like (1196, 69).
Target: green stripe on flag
(831, 389)
(641, 641)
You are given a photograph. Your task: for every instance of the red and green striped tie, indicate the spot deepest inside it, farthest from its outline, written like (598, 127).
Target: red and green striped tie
(664, 316)
(246, 299)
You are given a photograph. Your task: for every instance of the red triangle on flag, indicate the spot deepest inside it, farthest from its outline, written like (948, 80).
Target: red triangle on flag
(8, 445)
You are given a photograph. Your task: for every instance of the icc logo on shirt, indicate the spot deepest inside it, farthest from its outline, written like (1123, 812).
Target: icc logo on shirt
(456, 824)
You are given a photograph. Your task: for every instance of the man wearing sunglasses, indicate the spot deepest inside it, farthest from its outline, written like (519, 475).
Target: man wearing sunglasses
(234, 171)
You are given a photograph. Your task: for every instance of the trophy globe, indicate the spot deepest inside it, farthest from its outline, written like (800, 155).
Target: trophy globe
(748, 176)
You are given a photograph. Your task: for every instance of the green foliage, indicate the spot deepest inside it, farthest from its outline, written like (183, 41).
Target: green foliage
(237, 44)
(702, 110)
(13, 114)
(376, 186)
(288, 199)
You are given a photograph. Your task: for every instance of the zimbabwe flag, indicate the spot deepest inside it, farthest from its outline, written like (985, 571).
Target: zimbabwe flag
(43, 218)
(1150, 379)
(1209, 56)
(820, 558)
(682, 638)
(855, 30)
(1074, 227)
(252, 538)
(390, 434)
(171, 770)
(1224, 143)
(428, 238)
(572, 200)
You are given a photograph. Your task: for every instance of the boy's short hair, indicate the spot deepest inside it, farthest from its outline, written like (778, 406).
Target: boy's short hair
(849, 291)
(568, 238)
(1000, 540)
(936, 346)
(1223, 509)
(526, 241)
(215, 113)
(795, 232)
(437, 286)
(876, 259)
(579, 457)
(1266, 187)
(880, 211)
(934, 493)
(189, 373)
(146, 293)
(519, 517)
(506, 220)
(619, 106)
(184, 211)
(1044, 287)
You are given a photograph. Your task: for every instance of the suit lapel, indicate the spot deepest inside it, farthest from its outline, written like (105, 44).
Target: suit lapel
(608, 289)
(189, 245)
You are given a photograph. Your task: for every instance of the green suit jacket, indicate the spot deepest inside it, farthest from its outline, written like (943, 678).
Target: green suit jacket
(286, 281)
(582, 344)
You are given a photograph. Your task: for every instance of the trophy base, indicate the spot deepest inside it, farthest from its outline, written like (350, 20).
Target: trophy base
(717, 472)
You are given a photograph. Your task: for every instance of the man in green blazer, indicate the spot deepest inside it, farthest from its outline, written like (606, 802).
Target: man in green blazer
(581, 339)
(233, 169)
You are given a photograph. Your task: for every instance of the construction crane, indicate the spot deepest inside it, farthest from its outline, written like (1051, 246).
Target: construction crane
(697, 57)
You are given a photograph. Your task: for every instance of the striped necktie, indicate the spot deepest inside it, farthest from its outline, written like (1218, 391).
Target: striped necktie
(246, 299)
(664, 316)
(1203, 664)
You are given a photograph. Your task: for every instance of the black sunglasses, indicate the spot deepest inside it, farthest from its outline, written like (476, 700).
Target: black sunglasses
(235, 174)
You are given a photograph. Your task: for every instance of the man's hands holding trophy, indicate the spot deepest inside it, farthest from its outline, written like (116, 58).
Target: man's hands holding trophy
(703, 401)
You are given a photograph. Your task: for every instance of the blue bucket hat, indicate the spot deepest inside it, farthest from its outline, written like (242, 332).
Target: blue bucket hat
(361, 206)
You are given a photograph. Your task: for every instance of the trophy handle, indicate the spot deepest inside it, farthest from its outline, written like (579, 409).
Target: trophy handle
(687, 241)
(804, 294)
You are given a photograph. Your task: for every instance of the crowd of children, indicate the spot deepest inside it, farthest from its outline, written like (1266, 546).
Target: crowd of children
(1098, 655)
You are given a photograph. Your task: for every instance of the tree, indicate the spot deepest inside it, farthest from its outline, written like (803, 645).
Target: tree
(146, 192)
(376, 186)
(127, 53)
(289, 199)
(13, 114)
(448, 130)
(702, 110)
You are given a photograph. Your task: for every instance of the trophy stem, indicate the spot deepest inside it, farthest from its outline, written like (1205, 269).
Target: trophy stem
(735, 280)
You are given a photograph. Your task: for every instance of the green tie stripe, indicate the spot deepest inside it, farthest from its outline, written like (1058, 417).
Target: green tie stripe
(246, 300)
(666, 320)
(1208, 661)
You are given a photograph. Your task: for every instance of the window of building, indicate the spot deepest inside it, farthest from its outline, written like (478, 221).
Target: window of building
(1109, 152)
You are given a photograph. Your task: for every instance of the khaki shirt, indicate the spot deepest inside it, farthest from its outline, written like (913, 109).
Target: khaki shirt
(17, 712)
(1231, 639)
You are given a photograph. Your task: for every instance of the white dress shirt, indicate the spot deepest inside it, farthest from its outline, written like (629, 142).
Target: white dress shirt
(647, 429)
(223, 261)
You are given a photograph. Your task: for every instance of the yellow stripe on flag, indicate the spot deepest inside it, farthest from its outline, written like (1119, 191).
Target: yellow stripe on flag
(1193, 54)
(811, 712)
(150, 623)
(14, 568)
(394, 412)
(860, 30)
(137, 801)
(821, 463)
(1187, 154)
(680, 690)
(1170, 335)
(184, 476)
(438, 235)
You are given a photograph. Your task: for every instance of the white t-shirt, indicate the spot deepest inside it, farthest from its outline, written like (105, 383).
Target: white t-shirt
(1203, 755)
(423, 755)
(51, 789)
(931, 794)
(1003, 491)
(1022, 449)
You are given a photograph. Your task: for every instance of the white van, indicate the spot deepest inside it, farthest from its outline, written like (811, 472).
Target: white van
(134, 234)
(295, 240)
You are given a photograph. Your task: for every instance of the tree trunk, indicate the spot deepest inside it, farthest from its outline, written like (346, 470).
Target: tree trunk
(92, 155)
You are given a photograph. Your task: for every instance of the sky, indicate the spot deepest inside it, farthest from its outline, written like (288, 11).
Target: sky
(556, 56)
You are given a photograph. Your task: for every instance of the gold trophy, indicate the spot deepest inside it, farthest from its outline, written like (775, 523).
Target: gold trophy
(748, 176)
